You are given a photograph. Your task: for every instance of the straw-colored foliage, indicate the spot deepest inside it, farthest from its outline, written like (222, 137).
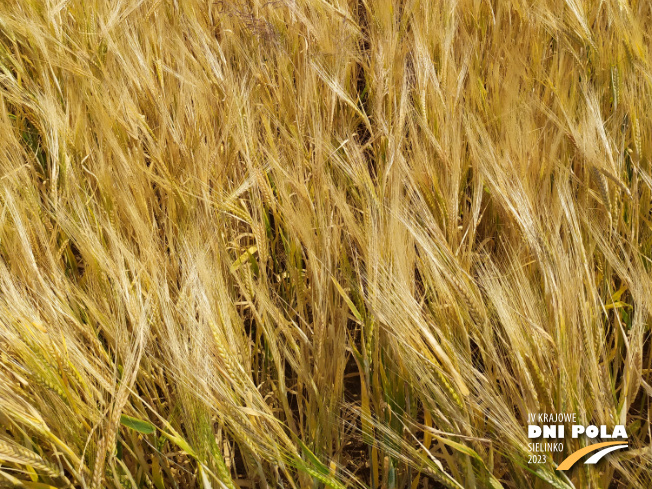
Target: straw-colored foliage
(322, 243)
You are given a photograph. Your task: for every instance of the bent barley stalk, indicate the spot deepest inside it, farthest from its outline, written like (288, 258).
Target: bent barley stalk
(323, 243)
(12, 453)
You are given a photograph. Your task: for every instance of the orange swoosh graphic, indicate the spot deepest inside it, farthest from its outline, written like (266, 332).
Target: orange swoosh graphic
(575, 456)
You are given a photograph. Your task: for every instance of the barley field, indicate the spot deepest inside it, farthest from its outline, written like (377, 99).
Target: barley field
(323, 243)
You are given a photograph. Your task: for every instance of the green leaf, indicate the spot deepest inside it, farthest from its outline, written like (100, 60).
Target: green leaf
(243, 258)
(495, 483)
(313, 458)
(144, 427)
(175, 438)
(348, 301)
